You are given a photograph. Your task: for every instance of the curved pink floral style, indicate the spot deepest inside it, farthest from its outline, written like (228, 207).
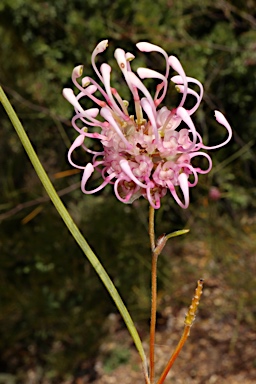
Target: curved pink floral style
(150, 152)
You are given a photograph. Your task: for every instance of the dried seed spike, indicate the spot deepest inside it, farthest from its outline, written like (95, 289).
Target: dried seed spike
(191, 315)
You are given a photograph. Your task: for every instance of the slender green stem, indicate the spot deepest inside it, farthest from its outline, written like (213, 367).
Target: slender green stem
(72, 226)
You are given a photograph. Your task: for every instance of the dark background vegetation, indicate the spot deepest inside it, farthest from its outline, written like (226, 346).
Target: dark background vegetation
(53, 306)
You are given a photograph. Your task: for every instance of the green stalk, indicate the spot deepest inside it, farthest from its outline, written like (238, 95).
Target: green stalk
(72, 226)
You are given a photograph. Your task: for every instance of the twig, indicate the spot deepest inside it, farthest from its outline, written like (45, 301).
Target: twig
(37, 201)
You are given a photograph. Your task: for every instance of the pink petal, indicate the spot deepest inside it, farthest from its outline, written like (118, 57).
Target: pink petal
(223, 121)
(181, 112)
(183, 180)
(99, 49)
(176, 65)
(147, 108)
(77, 143)
(106, 113)
(89, 169)
(127, 170)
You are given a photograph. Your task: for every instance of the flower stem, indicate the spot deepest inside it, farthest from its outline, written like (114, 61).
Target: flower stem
(175, 354)
(151, 227)
(72, 226)
(153, 295)
(189, 319)
(153, 317)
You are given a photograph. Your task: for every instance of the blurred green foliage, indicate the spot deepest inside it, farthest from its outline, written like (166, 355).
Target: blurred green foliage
(115, 358)
(53, 307)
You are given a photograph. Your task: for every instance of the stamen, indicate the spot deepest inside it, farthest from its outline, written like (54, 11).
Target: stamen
(129, 57)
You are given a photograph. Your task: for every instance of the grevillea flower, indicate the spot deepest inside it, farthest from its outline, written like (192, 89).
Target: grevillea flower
(147, 153)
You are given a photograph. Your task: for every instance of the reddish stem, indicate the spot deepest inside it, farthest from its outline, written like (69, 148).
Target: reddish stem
(153, 295)
(175, 354)
(153, 317)
(151, 227)
(189, 319)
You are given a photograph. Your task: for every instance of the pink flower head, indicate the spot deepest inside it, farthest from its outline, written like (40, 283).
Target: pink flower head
(147, 153)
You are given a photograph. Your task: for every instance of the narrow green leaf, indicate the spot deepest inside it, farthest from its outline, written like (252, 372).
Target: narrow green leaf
(177, 233)
(71, 225)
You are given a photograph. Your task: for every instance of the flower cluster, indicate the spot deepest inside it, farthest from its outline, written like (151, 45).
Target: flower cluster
(150, 152)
